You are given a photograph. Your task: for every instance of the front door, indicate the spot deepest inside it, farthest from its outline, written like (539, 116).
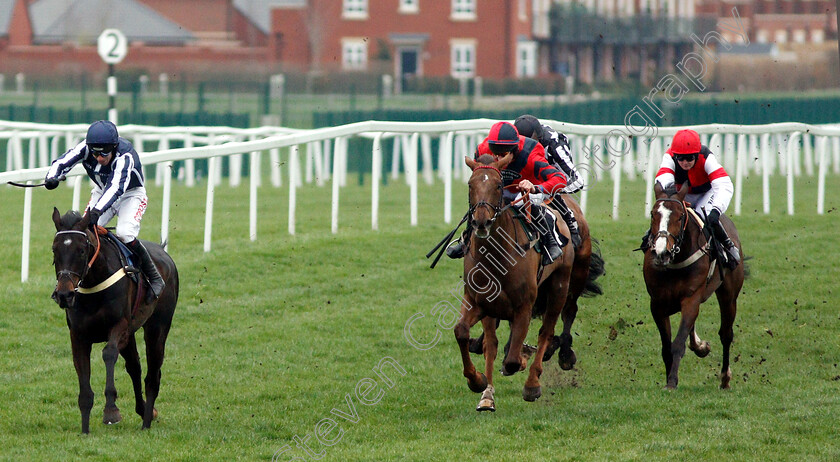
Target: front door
(408, 65)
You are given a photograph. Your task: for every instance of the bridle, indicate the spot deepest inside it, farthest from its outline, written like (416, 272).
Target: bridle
(497, 208)
(667, 234)
(500, 207)
(66, 273)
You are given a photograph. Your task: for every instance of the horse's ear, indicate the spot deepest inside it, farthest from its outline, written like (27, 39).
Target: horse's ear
(56, 217)
(683, 190)
(658, 191)
(470, 163)
(504, 161)
(84, 222)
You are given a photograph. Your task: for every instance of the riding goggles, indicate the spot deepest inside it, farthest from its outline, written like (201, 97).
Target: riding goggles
(685, 157)
(100, 150)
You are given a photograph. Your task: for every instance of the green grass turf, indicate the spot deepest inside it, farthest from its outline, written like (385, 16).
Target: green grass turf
(270, 336)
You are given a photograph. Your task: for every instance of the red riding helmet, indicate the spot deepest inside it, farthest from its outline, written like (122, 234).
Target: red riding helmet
(503, 137)
(685, 142)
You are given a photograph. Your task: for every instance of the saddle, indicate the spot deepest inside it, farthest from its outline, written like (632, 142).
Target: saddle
(521, 215)
(715, 248)
(128, 260)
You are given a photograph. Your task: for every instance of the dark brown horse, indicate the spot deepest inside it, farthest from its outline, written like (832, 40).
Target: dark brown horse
(503, 281)
(102, 305)
(680, 274)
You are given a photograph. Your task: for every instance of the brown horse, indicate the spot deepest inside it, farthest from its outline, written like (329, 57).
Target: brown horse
(587, 268)
(503, 281)
(680, 274)
(102, 305)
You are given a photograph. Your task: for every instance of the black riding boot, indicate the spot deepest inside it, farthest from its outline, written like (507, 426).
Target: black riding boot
(149, 269)
(551, 240)
(458, 247)
(569, 218)
(733, 256)
(645, 241)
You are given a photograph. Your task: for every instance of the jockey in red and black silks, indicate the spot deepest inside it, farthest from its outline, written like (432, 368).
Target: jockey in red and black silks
(711, 188)
(532, 174)
(529, 163)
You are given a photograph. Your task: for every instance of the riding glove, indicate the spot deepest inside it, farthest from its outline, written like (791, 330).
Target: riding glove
(94, 217)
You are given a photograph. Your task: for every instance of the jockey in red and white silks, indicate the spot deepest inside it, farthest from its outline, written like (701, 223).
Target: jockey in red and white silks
(711, 187)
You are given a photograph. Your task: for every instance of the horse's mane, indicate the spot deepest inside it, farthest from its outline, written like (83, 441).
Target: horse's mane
(70, 219)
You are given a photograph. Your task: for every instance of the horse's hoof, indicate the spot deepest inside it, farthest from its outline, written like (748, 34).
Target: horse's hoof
(670, 387)
(111, 417)
(486, 404)
(154, 413)
(528, 351)
(480, 386)
(724, 380)
(567, 360)
(531, 394)
(703, 349)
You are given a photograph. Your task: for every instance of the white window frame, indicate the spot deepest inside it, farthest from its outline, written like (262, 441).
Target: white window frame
(526, 58)
(523, 10)
(463, 10)
(462, 58)
(354, 54)
(354, 9)
(409, 6)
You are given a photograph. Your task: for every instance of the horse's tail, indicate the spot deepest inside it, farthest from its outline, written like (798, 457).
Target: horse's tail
(596, 270)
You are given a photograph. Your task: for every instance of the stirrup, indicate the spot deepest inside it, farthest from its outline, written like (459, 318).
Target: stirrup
(455, 249)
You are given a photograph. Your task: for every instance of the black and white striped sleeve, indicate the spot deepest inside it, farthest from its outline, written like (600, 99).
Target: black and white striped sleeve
(118, 183)
(65, 163)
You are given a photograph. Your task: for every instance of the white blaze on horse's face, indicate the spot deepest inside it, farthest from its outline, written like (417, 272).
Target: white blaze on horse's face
(661, 243)
(67, 242)
(486, 177)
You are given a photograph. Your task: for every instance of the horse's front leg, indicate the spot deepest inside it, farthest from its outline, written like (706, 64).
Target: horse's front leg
(110, 353)
(554, 305)
(689, 310)
(81, 361)
(132, 366)
(476, 380)
(490, 348)
(663, 324)
(514, 362)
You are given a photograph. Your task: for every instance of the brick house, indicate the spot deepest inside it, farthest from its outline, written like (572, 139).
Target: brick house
(492, 39)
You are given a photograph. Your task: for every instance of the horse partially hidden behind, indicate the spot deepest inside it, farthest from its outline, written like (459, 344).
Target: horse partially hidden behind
(102, 304)
(503, 281)
(680, 274)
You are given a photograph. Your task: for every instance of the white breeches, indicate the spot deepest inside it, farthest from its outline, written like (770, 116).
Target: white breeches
(129, 208)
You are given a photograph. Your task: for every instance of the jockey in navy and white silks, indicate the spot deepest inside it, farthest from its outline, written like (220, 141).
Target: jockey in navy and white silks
(558, 153)
(114, 167)
(711, 188)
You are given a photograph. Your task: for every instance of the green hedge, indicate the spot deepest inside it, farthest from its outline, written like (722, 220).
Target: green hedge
(814, 110)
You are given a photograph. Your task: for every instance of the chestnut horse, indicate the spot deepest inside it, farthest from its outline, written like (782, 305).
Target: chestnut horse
(102, 305)
(680, 274)
(503, 281)
(587, 268)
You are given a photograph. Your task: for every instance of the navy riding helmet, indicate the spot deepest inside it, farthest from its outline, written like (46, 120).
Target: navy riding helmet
(102, 137)
(529, 126)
